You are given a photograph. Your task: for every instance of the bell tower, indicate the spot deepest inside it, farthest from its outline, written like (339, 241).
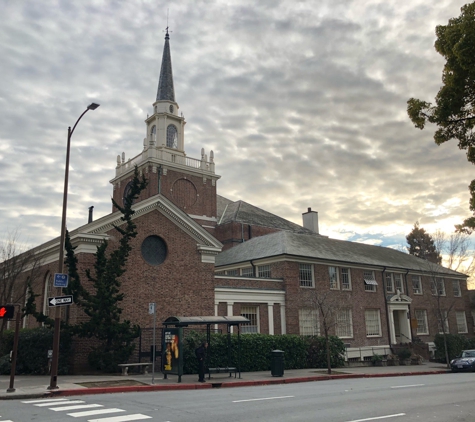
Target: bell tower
(190, 183)
(165, 127)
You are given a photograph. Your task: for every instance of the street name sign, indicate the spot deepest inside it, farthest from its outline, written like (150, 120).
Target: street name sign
(60, 300)
(61, 280)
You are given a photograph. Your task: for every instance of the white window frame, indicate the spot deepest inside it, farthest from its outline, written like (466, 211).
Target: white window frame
(398, 281)
(309, 324)
(263, 271)
(373, 322)
(344, 323)
(416, 290)
(48, 290)
(456, 288)
(445, 321)
(440, 282)
(250, 312)
(233, 273)
(369, 281)
(307, 270)
(461, 318)
(333, 274)
(345, 278)
(389, 283)
(422, 322)
(247, 272)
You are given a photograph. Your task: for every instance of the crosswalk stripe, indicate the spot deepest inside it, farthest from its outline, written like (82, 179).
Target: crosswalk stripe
(59, 403)
(43, 401)
(75, 407)
(94, 412)
(125, 418)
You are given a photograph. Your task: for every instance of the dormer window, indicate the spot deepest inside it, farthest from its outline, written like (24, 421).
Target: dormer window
(172, 137)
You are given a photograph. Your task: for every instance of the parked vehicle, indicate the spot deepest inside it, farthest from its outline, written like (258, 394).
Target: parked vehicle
(466, 362)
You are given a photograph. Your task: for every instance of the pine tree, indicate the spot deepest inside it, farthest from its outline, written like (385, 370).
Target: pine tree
(422, 245)
(102, 303)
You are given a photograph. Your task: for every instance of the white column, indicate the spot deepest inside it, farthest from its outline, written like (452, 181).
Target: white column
(392, 334)
(216, 314)
(230, 313)
(283, 327)
(270, 314)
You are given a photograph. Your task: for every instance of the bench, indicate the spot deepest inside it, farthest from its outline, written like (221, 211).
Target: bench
(125, 367)
(224, 370)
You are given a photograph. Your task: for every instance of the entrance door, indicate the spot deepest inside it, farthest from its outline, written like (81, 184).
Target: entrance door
(397, 326)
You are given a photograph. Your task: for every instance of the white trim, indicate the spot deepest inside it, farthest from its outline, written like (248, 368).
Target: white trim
(226, 294)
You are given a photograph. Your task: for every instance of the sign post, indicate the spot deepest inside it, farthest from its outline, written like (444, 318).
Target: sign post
(151, 310)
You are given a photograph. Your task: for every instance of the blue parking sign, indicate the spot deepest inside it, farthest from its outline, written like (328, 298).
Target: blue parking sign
(61, 280)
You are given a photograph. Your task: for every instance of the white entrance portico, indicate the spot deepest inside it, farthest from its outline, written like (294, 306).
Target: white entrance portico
(231, 295)
(398, 316)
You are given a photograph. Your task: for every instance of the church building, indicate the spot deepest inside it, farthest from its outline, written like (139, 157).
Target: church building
(198, 253)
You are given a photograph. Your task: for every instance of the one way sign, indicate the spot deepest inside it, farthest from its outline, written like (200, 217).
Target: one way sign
(60, 301)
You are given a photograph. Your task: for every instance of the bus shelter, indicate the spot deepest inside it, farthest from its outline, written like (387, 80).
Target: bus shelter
(172, 339)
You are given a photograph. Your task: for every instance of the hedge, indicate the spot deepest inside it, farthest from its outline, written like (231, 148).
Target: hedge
(33, 346)
(255, 351)
(455, 344)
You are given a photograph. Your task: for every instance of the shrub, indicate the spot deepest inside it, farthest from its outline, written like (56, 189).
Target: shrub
(455, 344)
(404, 354)
(33, 346)
(255, 351)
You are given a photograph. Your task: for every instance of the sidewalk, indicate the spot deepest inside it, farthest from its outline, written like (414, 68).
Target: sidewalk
(30, 386)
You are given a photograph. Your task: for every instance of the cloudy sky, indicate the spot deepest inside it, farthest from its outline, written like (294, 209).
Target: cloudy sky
(302, 102)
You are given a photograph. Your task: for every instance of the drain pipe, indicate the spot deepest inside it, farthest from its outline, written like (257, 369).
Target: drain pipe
(387, 308)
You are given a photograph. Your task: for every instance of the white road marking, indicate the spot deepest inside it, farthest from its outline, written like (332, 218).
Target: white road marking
(76, 407)
(378, 417)
(407, 386)
(125, 418)
(43, 400)
(94, 412)
(264, 398)
(59, 403)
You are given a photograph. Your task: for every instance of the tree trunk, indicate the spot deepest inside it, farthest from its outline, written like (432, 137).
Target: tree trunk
(327, 343)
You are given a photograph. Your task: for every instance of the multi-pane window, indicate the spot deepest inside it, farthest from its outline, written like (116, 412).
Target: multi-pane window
(344, 323)
(389, 283)
(369, 281)
(247, 272)
(456, 288)
(333, 278)
(442, 318)
(345, 279)
(263, 271)
(48, 291)
(252, 314)
(305, 275)
(433, 288)
(416, 284)
(440, 286)
(461, 322)
(232, 273)
(172, 136)
(308, 322)
(422, 325)
(398, 282)
(373, 323)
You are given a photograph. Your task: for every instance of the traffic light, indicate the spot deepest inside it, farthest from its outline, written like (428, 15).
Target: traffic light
(7, 311)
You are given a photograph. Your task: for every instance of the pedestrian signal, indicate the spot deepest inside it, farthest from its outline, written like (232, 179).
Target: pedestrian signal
(7, 311)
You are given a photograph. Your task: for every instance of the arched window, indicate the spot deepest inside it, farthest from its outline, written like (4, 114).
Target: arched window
(48, 291)
(153, 134)
(172, 136)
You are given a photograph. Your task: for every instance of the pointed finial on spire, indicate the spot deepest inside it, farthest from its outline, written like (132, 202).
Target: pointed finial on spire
(166, 90)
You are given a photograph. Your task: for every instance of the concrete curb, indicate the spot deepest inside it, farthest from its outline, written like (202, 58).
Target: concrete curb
(209, 385)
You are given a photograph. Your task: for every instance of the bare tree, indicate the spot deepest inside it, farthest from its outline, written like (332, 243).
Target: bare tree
(18, 269)
(328, 306)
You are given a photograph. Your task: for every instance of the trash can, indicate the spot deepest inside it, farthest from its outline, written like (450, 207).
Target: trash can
(277, 363)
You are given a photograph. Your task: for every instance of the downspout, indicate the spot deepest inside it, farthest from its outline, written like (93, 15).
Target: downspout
(159, 171)
(387, 308)
(253, 268)
(409, 306)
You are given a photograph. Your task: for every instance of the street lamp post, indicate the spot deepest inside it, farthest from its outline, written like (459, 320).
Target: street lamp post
(57, 318)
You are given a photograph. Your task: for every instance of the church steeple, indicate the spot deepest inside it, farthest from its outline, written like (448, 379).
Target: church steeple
(165, 84)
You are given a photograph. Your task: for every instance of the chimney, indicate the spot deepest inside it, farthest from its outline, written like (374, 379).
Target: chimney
(90, 214)
(310, 220)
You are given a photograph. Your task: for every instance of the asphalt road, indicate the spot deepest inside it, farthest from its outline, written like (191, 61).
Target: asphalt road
(447, 398)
